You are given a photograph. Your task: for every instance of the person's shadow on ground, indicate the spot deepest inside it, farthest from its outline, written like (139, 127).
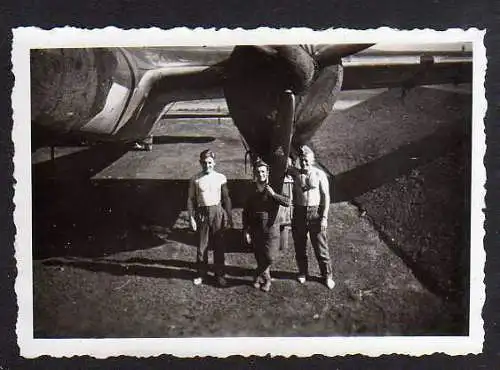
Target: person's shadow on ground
(232, 239)
(173, 268)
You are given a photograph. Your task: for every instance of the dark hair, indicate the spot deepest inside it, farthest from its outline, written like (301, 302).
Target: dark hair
(207, 153)
(304, 150)
(259, 163)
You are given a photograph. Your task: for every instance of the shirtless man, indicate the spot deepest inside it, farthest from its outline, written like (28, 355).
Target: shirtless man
(311, 200)
(206, 190)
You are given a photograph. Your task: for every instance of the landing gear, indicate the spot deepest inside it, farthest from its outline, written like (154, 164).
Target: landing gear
(144, 144)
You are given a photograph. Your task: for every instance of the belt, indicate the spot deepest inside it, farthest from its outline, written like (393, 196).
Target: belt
(207, 207)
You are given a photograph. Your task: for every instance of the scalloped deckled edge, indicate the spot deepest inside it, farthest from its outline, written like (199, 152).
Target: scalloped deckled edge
(31, 37)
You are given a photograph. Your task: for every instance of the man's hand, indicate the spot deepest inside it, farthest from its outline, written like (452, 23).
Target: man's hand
(324, 223)
(230, 223)
(270, 190)
(247, 237)
(192, 224)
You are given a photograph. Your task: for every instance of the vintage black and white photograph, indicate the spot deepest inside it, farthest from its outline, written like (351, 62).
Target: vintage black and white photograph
(324, 189)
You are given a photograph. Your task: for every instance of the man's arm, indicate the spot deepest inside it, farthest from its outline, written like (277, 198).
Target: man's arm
(292, 171)
(282, 200)
(246, 220)
(226, 203)
(191, 201)
(324, 190)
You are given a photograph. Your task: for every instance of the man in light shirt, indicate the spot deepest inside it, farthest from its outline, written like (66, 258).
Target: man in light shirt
(207, 190)
(311, 200)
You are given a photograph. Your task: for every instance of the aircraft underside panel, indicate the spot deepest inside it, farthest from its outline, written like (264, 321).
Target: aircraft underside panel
(117, 100)
(105, 121)
(69, 86)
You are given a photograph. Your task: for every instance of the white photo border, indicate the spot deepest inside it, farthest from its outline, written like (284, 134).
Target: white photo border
(26, 38)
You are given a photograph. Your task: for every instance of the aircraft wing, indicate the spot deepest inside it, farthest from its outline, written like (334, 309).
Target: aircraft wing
(429, 65)
(118, 94)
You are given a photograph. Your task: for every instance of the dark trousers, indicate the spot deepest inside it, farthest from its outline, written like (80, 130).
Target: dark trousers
(211, 222)
(308, 220)
(266, 244)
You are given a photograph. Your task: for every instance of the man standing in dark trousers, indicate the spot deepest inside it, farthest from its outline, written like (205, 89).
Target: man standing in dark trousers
(206, 191)
(259, 227)
(310, 216)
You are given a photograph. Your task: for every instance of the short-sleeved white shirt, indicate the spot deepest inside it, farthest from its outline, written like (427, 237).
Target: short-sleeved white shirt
(207, 188)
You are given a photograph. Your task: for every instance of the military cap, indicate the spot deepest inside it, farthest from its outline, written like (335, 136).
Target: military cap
(259, 163)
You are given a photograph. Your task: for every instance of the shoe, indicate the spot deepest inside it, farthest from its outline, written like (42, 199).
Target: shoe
(221, 281)
(266, 286)
(330, 283)
(257, 282)
(301, 279)
(138, 146)
(197, 281)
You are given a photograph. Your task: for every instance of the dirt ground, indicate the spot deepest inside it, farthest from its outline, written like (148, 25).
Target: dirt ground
(413, 183)
(113, 257)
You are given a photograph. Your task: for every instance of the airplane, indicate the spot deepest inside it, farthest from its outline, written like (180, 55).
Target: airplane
(277, 95)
